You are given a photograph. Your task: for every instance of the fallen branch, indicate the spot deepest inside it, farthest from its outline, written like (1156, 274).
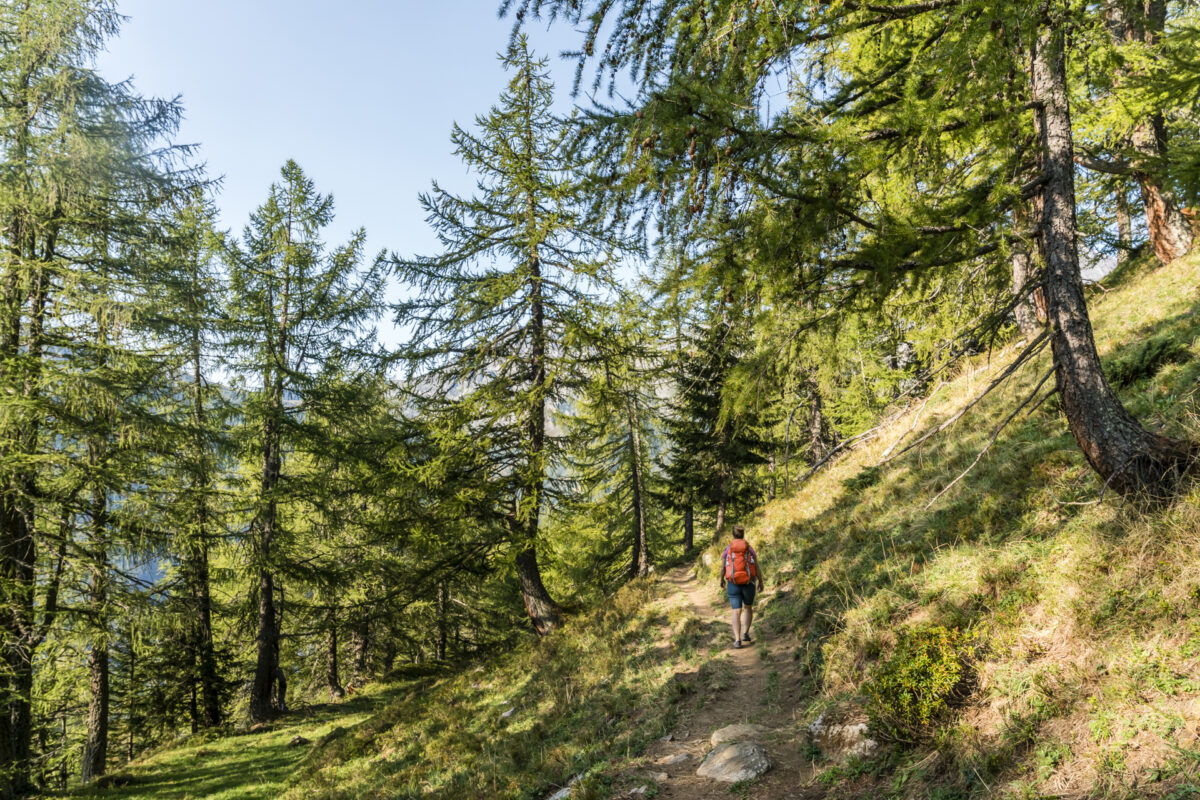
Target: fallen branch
(916, 418)
(1031, 350)
(992, 440)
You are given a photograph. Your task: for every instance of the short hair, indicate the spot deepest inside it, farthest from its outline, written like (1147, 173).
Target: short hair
(739, 532)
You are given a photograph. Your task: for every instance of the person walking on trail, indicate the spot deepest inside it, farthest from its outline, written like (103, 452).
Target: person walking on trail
(741, 575)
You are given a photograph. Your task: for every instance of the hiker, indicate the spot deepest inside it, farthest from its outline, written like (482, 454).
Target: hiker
(740, 575)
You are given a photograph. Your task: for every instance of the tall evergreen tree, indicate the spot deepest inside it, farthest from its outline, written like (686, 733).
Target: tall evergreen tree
(890, 100)
(499, 316)
(301, 311)
(83, 169)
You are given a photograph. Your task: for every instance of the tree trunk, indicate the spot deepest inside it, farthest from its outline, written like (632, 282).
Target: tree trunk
(543, 612)
(1029, 321)
(689, 529)
(821, 438)
(443, 631)
(201, 598)
(1125, 455)
(20, 363)
(722, 503)
(266, 666)
(360, 650)
(16, 679)
(332, 680)
(639, 565)
(95, 749)
(266, 640)
(1169, 231)
(1124, 225)
(771, 477)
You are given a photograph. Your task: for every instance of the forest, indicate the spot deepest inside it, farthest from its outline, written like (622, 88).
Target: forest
(224, 496)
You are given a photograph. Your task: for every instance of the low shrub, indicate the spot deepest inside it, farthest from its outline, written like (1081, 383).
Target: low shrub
(916, 684)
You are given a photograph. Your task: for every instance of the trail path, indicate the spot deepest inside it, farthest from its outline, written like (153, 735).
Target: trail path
(751, 685)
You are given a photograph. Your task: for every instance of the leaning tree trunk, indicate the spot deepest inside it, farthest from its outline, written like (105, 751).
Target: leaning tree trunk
(1125, 455)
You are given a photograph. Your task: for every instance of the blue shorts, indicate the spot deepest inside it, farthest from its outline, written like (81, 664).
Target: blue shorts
(740, 593)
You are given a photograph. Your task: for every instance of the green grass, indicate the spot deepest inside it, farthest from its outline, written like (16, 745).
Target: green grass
(247, 766)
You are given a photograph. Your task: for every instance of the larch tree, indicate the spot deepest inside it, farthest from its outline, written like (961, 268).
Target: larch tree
(84, 164)
(924, 91)
(499, 316)
(301, 311)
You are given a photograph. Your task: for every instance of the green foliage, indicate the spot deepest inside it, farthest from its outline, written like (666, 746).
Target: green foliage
(1146, 359)
(914, 686)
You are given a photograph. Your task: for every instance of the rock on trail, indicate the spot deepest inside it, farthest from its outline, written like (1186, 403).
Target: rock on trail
(735, 761)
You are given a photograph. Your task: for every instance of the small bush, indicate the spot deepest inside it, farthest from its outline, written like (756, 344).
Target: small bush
(1146, 360)
(865, 479)
(915, 685)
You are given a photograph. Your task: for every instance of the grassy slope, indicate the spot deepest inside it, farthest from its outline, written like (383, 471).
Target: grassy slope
(1082, 616)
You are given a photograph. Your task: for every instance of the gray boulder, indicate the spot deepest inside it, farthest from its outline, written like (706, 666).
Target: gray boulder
(735, 761)
(842, 740)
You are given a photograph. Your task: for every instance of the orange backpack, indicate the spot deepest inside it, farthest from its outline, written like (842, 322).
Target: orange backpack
(739, 562)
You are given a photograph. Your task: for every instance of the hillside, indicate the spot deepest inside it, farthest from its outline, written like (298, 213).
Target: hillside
(1018, 636)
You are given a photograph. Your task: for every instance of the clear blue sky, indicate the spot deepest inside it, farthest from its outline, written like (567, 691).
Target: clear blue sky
(362, 93)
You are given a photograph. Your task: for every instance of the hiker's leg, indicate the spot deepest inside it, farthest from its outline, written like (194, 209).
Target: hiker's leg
(748, 612)
(735, 602)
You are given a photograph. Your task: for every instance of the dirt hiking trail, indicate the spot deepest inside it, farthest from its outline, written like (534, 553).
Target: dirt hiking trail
(751, 685)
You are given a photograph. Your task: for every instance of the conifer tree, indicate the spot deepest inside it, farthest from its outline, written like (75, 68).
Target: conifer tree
(499, 316)
(890, 99)
(612, 426)
(84, 168)
(301, 312)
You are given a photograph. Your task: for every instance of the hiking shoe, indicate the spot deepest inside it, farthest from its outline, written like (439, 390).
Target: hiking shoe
(737, 643)
(746, 639)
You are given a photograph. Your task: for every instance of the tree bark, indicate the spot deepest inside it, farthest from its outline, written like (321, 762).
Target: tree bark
(360, 650)
(201, 598)
(1124, 225)
(266, 667)
(1169, 231)
(95, 749)
(639, 565)
(821, 438)
(689, 529)
(332, 679)
(722, 504)
(1125, 455)
(543, 612)
(1029, 321)
(443, 632)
